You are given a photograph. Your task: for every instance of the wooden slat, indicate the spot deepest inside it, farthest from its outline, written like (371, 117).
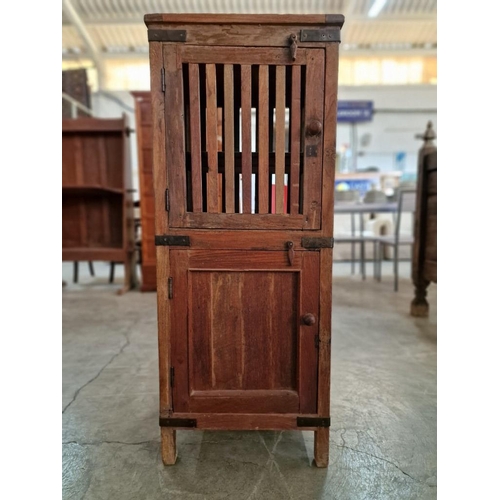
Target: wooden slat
(246, 136)
(195, 133)
(314, 92)
(308, 354)
(263, 125)
(295, 138)
(226, 330)
(178, 322)
(325, 331)
(251, 55)
(212, 184)
(229, 137)
(242, 221)
(244, 19)
(156, 62)
(280, 139)
(175, 147)
(244, 421)
(199, 334)
(329, 134)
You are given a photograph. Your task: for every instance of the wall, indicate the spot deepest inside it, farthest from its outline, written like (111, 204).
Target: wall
(390, 132)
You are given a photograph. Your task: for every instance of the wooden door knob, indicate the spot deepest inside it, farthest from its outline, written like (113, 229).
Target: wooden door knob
(314, 128)
(309, 319)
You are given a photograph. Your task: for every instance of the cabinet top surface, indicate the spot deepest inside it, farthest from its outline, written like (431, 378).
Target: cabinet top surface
(314, 19)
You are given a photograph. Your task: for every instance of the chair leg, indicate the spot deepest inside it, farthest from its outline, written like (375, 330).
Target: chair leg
(374, 260)
(75, 272)
(396, 259)
(91, 268)
(112, 272)
(353, 256)
(380, 253)
(363, 270)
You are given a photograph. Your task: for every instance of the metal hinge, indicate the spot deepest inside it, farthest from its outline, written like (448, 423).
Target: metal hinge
(170, 288)
(167, 201)
(172, 374)
(163, 80)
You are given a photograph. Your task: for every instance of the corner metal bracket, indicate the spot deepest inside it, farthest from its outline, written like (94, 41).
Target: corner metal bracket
(167, 35)
(313, 421)
(177, 422)
(317, 242)
(166, 240)
(320, 35)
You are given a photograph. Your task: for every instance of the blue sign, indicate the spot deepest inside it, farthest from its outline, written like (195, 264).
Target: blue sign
(354, 111)
(360, 185)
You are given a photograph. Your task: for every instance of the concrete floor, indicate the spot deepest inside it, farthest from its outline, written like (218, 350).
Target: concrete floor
(383, 434)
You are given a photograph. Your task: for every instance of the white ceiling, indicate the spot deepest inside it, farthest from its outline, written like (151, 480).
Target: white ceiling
(116, 27)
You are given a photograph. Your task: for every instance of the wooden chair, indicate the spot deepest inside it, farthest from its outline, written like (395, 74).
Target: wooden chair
(406, 203)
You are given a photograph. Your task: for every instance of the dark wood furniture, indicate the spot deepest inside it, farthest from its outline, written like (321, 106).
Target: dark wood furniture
(97, 204)
(143, 126)
(244, 273)
(424, 263)
(74, 83)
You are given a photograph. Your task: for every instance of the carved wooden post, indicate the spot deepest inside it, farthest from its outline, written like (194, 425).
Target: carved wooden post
(419, 304)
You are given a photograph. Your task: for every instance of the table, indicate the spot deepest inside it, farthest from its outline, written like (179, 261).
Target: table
(363, 208)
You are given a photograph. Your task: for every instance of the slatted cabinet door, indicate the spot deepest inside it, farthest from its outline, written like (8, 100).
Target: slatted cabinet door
(257, 174)
(242, 343)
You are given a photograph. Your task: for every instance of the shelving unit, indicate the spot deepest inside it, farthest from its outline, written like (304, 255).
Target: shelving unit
(144, 134)
(97, 204)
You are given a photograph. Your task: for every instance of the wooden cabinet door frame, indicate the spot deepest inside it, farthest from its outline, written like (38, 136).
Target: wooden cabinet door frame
(219, 333)
(185, 124)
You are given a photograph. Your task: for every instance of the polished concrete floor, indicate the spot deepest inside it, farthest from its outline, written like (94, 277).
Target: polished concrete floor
(383, 434)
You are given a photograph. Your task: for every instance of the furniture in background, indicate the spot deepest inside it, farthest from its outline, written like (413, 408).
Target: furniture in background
(406, 204)
(143, 126)
(244, 296)
(74, 85)
(350, 196)
(424, 263)
(97, 205)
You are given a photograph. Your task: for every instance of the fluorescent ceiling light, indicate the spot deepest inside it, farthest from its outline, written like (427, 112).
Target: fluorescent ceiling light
(377, 6)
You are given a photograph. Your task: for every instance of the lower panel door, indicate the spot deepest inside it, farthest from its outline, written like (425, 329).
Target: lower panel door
(243, 331)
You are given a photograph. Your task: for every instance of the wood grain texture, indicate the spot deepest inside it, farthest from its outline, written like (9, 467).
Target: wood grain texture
(246, 136)
(229, 137)
(313, 164)
(280, 140)
(329, 138)
(212, 179)
(295, 141)
(322, 447)
(195, 137)
(175, 140)
(308, 354)
(263, 139)
(168, 446)
(143, 121)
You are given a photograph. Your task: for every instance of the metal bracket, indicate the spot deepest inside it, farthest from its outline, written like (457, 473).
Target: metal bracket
(320, 35)
(313, 421)
(177, 422)
(312, 150)
(167, 35)
(317, 242)
(174, 241)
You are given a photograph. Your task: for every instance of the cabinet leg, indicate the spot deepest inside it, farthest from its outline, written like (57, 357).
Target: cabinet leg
(168, 446)
(419, 305)
(321, 447)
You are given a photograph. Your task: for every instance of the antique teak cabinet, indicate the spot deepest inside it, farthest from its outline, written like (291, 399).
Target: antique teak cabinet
(244, 220)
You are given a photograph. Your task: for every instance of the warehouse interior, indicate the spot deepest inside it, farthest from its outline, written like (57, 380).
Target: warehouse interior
(383, 440)
(383, 360)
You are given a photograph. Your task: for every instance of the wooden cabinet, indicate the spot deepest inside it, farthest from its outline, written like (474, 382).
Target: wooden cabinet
(97, 205)
(144, 126)
(424, 262)
(244, 109)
